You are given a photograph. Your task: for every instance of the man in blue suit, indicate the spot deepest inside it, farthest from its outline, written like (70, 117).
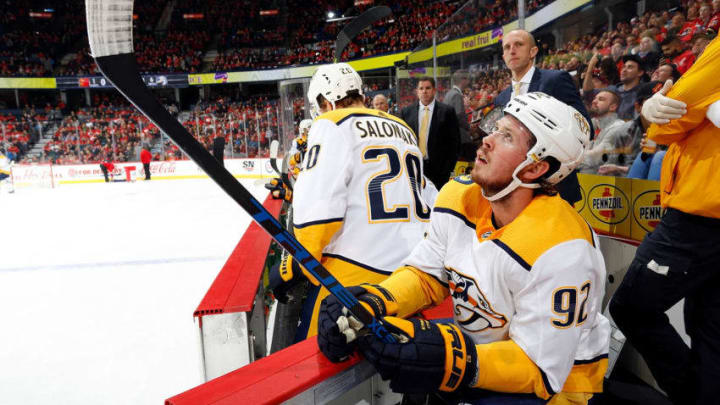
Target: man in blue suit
(519, 50)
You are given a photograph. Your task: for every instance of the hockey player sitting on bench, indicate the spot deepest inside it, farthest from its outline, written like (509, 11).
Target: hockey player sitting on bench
(524, 271)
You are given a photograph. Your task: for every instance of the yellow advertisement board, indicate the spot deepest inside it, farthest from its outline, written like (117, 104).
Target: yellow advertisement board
(606, 204)
(269, 75)
(27, 83)
(647, 211)
(618, 206)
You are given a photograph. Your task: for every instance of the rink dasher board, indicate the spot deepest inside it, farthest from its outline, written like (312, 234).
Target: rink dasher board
(53, 175)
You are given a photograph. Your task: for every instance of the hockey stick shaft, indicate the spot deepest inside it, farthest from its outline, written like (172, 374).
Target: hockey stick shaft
(109, 25)
(356, 26)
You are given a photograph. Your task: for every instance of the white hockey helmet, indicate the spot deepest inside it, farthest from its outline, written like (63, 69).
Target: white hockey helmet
(561, 133)
(304, 125)
(333, 82)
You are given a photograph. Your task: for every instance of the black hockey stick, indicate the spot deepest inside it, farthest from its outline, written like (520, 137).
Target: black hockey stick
(109, 25)
(356, 26)
(274, 151)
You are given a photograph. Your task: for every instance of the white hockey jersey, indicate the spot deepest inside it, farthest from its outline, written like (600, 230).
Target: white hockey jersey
(538, 281)
(4, 167)
(361, 185)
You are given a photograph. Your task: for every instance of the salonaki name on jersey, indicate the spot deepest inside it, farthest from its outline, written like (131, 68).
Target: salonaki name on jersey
(374, 127)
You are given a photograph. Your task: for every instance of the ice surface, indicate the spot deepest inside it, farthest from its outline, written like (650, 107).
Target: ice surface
(98, 283)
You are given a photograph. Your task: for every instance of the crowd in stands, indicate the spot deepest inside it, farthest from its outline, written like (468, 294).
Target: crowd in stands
(482, 15)
(248, 126)
(114, 130)
(297, 35)
(35, 38)
(18, 133)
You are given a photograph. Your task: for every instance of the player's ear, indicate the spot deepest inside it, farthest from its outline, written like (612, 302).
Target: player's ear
(533, 171)
(533, 52)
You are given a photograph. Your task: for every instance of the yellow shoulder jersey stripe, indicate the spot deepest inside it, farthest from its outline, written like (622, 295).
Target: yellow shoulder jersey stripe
(339, 115)
(463, 198)
(546, 222)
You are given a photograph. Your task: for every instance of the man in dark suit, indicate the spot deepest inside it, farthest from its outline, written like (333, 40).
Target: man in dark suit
(456, 98)
(519, 50)
(438, 133)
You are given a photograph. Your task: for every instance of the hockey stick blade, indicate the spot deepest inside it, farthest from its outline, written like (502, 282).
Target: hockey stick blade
(356, 26)
(274, 151)
(109, 25)
(274, 148)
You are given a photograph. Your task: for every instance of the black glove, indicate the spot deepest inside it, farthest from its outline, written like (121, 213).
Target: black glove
(338, 344)
(279, 190)
(283, 276)
(428, 357)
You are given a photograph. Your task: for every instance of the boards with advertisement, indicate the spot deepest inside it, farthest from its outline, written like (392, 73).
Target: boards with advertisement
(618, 206)
(55, 175)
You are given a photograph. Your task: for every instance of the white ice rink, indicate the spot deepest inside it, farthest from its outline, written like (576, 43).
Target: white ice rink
(98, 283)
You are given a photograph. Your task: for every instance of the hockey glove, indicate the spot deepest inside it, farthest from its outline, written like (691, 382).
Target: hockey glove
(436, 356)
(294, 164)
(279, 190)
(337, 331)
(283, 276)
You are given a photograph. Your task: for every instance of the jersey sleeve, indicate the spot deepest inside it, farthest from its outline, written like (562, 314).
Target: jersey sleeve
(412, 291)
(556, 306)
(321, 191)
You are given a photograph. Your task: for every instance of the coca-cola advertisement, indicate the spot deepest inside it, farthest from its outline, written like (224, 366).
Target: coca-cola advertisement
(54, 175)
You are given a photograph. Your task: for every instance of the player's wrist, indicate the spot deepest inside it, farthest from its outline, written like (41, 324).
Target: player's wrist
(378, 300)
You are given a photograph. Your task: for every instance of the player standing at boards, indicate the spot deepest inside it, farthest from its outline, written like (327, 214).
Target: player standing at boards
(5, 172)
(298, 148)
(360, 186)
(524, 271)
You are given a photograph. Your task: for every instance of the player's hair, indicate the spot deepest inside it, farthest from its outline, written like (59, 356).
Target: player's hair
(353, 96)
(425, 79)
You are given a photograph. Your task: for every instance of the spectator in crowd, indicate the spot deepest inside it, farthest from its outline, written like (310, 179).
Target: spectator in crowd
(714, 23)
(455, 98)
(623, 144)
(380, 102)
(700, 42)
(519, 50)
(647, 52)
(631, 76)
(438, 132)
(666, 71)
(678, 260)
(218, 148)
(605, 119)
(145, 158)
(674, 50)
